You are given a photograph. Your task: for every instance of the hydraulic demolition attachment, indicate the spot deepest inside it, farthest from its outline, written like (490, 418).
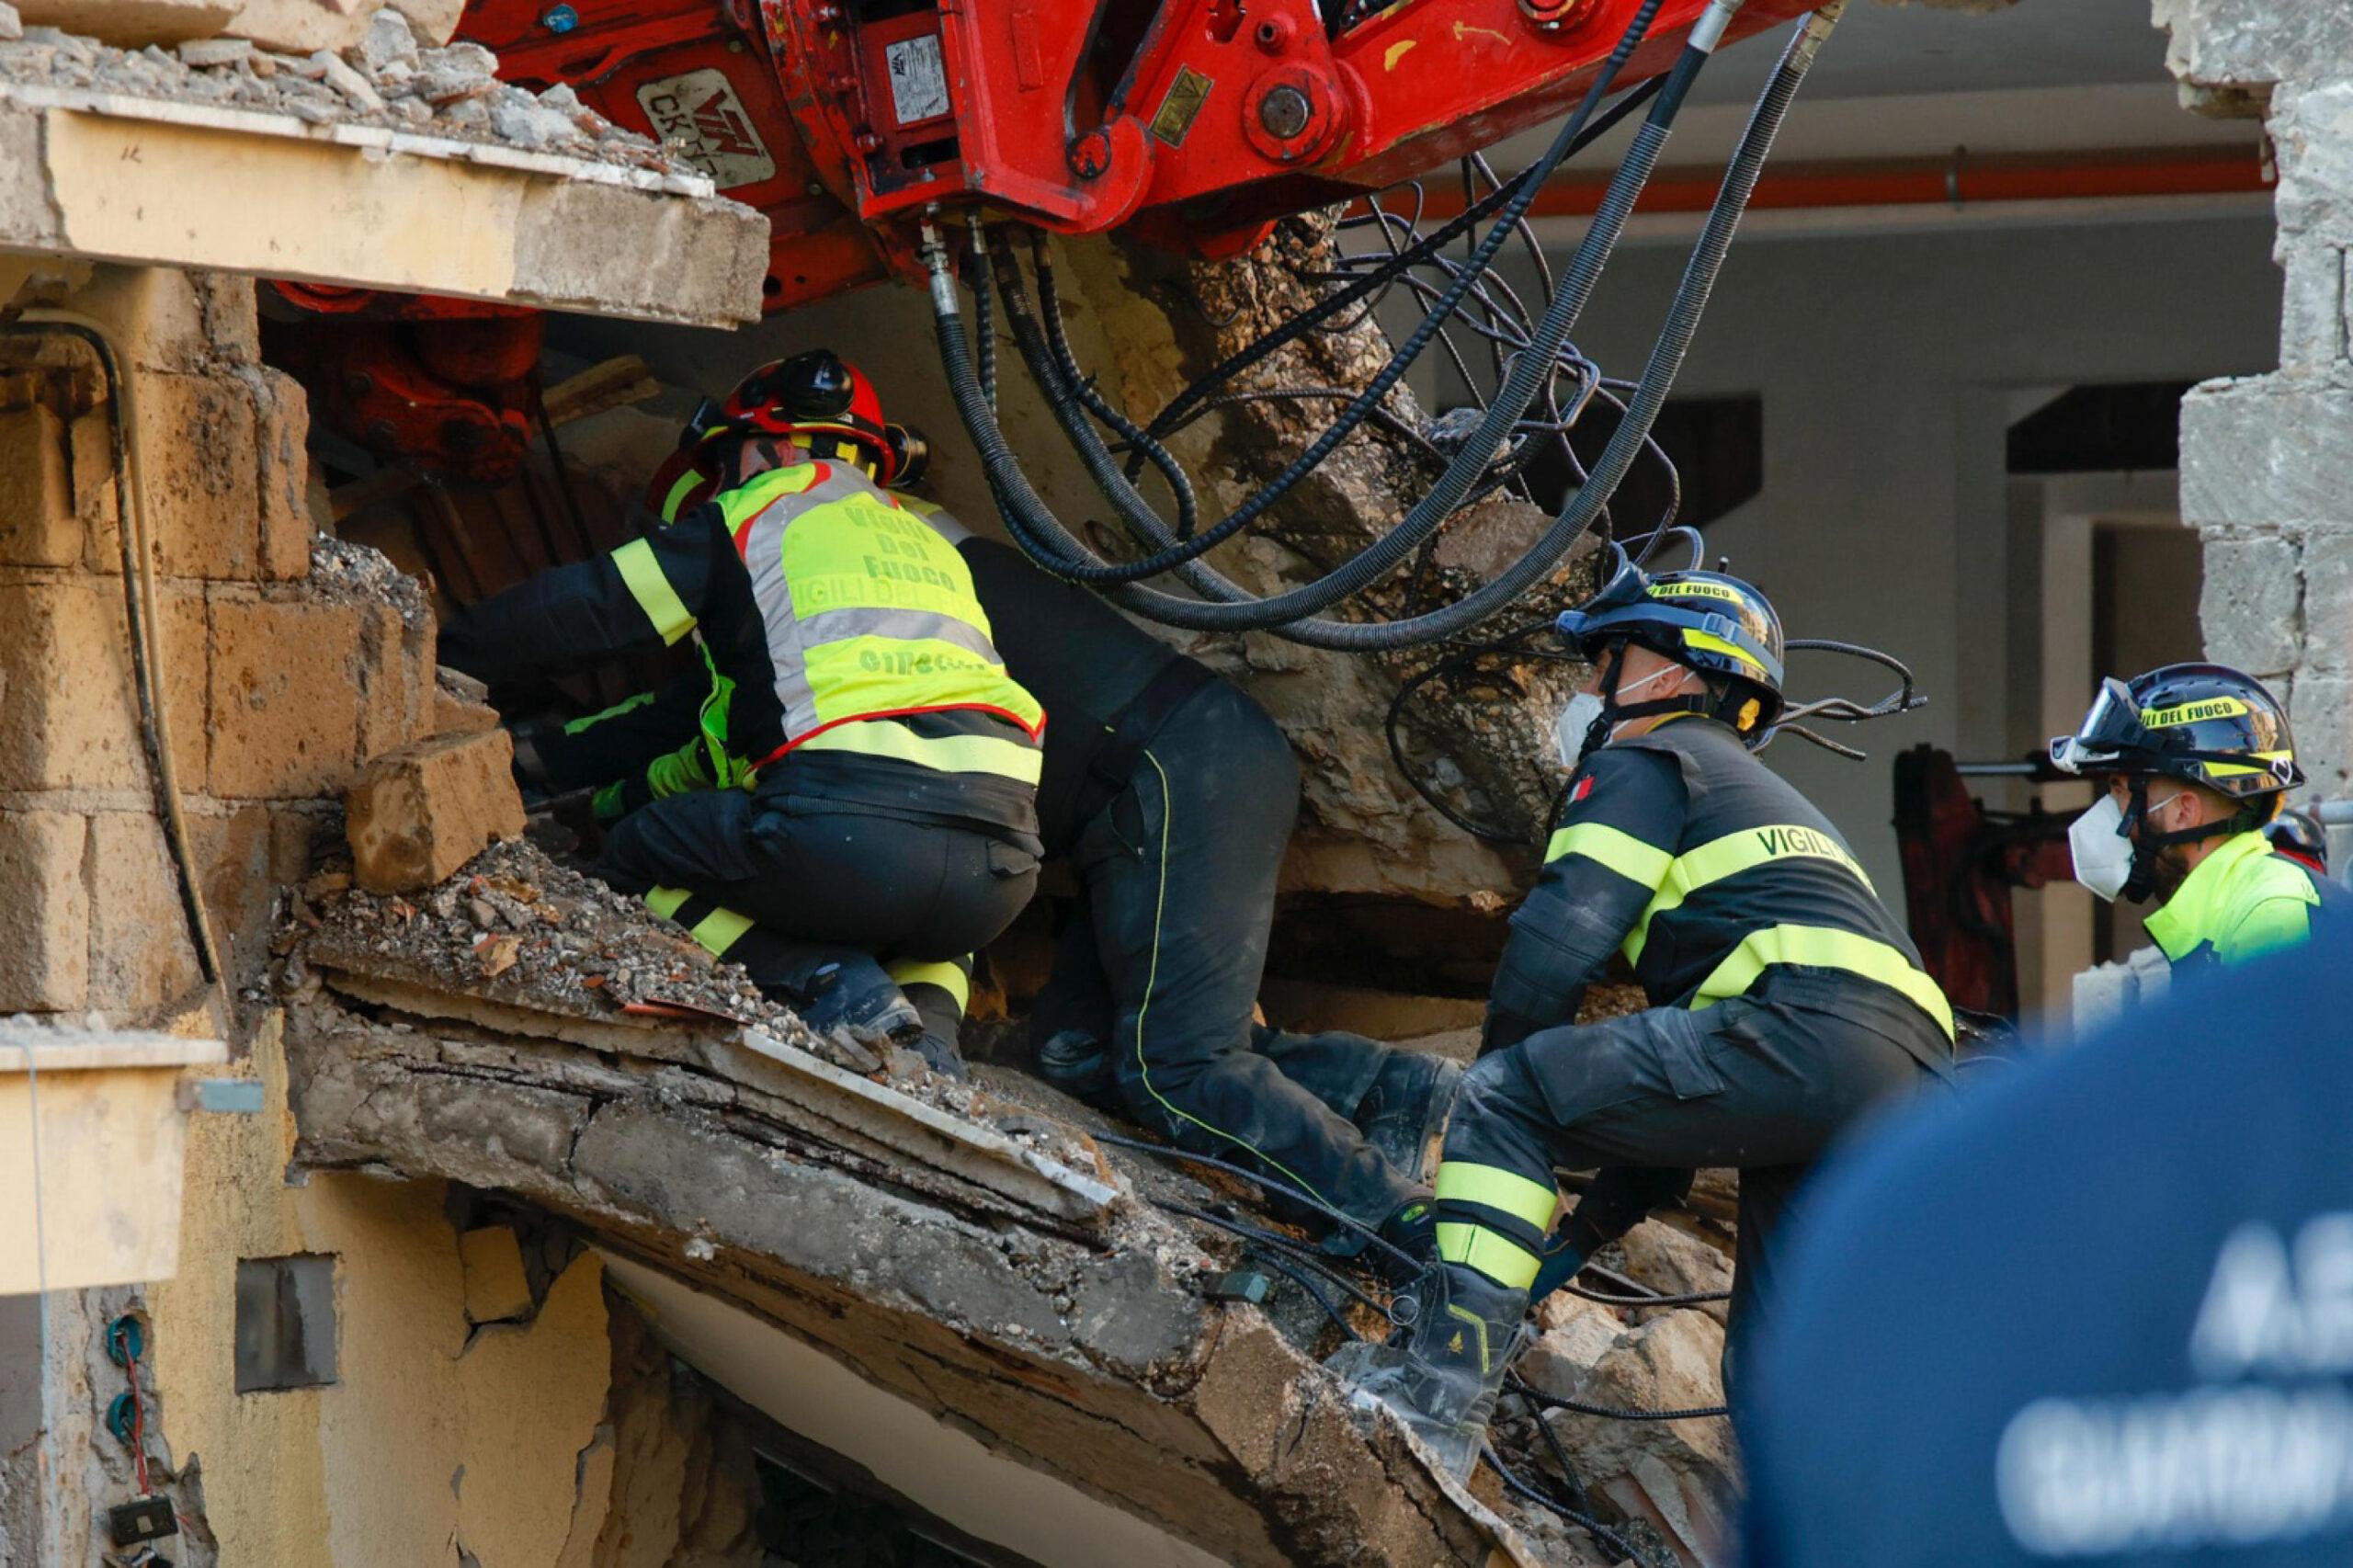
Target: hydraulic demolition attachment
(949, 140)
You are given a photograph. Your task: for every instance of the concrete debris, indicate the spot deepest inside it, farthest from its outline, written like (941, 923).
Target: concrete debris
(347, 81)
(1089, 1354)
(1674, 1264)
(12, 26)
(210, 53)
(343, 574)
(1672, 1483)
(389, 79)
(424, 810)
(389, 40)
(582, 950)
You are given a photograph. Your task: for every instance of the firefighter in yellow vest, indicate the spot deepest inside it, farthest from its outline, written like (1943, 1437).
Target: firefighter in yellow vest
(878, 815)
(2195, 760)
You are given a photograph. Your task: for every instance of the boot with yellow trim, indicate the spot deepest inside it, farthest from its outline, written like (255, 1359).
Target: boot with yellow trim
(853, 992)
(1465, 1331)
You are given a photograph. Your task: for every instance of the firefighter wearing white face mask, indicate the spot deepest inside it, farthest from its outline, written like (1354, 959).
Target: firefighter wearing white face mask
(2196, 759)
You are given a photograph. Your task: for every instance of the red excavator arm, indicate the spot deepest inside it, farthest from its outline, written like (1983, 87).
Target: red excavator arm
(1194, 123)
(1198, 120)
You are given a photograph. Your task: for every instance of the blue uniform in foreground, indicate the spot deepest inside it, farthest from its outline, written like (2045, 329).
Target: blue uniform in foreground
(2099, 1314)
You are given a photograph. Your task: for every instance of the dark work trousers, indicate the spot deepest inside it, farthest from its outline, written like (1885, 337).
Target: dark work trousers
(1177, 875)
(1764, 1082)
(788, 885)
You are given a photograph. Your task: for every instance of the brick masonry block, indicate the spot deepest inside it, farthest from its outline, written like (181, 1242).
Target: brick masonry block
(396, 674)
(425, 810)
(282, 430)
(244, 856)
(2320, 710)
(45, 915)
(461, 703)
(168, 320)
(202, 474)
(69, 715)
(2266, 452)
(140, 954)
(453, 715)
(2251, 607)
(90, 439)
(37, 527)
(2329, 599)
(287, 687)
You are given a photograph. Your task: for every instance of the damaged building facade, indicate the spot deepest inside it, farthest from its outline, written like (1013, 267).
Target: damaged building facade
(377, 1189)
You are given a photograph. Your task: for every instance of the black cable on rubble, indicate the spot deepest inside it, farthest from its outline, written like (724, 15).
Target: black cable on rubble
(1604, 1537)
(1306, 1199)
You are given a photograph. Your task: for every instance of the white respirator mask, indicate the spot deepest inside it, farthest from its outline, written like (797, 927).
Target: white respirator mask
(1568, 731)
(1577, 730)
(2103, 856)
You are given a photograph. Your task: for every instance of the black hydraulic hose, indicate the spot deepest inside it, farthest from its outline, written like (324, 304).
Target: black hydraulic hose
(1667, 357)
(1181, 484)
(984, 329)
(1692, 1299)
(1044, 537)
(1238, 610)
(1306, 1282)
(1274, 1242)
(1038, 527)
(1316, 316)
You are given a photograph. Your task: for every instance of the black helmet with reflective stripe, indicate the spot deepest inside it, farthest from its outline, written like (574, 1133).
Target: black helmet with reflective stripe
(2205, 725)
(1712, 622)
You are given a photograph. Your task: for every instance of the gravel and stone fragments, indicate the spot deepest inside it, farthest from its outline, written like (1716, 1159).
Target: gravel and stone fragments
(390, 78)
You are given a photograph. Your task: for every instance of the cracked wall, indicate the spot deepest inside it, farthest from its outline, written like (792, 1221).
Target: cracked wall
(2267, 461)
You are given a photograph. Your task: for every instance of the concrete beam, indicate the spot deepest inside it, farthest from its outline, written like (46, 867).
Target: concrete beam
(161, 183)
(1088, 1357)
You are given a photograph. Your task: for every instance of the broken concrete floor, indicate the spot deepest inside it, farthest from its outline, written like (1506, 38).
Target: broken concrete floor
(966, 1253)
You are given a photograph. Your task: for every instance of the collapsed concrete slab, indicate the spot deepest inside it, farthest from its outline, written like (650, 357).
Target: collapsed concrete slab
(978, 1260)
(421, 173)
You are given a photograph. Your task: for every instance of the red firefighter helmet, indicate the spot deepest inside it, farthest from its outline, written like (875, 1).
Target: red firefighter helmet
(814, 394)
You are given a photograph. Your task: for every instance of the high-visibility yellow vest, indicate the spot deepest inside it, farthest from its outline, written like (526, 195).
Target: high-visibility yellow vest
(870, 615)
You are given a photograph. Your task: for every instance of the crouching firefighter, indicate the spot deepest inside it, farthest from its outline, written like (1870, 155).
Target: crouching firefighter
(1174, 795)
(2196, 761)
(1785, 999)
(863, 778)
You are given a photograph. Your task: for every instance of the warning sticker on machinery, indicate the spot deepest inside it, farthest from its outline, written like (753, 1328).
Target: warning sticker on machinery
(1183, 105)
(919, 80)
(700, 115)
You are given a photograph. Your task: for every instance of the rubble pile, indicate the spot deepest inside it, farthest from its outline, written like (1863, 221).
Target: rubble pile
(388, 79)
(1671, 1487)
(523, 929)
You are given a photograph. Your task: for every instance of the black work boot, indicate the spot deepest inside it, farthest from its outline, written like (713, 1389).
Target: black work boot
(1075, 1061)
(1442, 1380)
(1405, 1109)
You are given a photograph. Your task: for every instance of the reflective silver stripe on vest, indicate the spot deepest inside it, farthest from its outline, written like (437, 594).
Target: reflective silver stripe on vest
(784, 497)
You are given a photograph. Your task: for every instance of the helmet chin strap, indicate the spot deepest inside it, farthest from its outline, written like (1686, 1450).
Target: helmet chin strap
(1613, 713)
(2148, 847)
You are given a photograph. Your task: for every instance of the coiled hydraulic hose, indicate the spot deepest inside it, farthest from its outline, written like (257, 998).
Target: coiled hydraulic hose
(1044, 537)
(1240, 609)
